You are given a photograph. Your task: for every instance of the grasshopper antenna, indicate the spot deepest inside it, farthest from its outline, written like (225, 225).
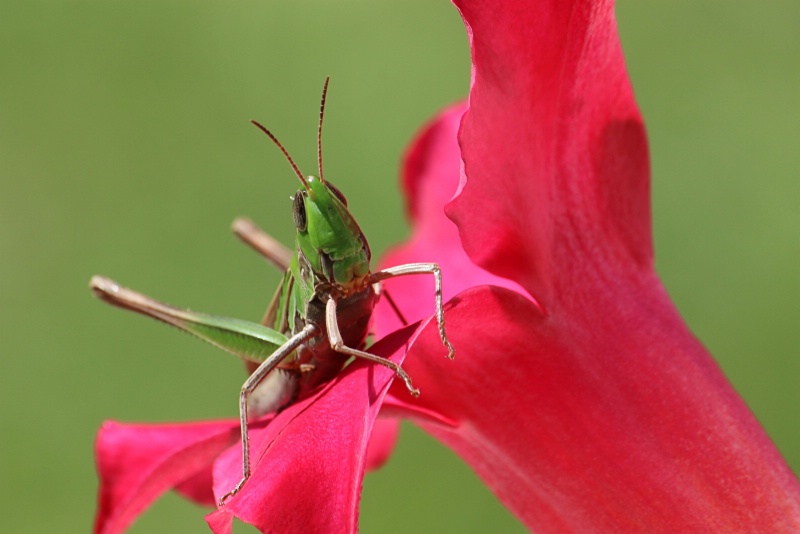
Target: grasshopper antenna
(319, 128)
(285, 152)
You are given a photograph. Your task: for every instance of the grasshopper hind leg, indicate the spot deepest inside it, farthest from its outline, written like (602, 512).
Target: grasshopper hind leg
(278, 390)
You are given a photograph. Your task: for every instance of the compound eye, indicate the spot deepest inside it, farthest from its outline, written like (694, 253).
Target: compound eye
(335, 191)
(299, 212)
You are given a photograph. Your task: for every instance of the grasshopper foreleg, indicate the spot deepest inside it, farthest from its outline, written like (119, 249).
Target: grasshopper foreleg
(337, 343)
(251, 384)
(421, 268)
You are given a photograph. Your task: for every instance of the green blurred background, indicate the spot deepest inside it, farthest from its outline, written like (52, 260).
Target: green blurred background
(125, 150)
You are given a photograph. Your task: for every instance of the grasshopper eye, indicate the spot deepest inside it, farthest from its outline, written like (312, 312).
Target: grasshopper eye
(299, 212)
(335, 191)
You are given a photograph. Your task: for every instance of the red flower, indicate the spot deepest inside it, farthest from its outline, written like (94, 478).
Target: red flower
(578, 394)
(315, 451)
(580, 398)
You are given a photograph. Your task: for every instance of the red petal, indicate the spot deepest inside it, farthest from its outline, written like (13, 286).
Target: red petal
(629, 427)
(308, 463)
(553, 146)
(137, 463)
(396, 405)
(381, 442)
(199, 488)
(430, 179)
(600, 413)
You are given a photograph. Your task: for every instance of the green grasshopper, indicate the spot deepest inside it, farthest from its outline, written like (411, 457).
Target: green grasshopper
(320, 314)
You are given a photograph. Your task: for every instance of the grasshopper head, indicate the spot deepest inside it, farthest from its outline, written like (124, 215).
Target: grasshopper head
(328, 236)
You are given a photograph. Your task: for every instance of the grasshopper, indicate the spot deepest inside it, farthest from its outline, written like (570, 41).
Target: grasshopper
(319, 317)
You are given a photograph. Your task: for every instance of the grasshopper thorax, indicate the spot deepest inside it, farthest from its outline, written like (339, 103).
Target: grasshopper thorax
(328, 237)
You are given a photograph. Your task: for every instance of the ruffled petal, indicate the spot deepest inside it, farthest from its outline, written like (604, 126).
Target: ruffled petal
(137, 463)
(430, 180)
(554, 148)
